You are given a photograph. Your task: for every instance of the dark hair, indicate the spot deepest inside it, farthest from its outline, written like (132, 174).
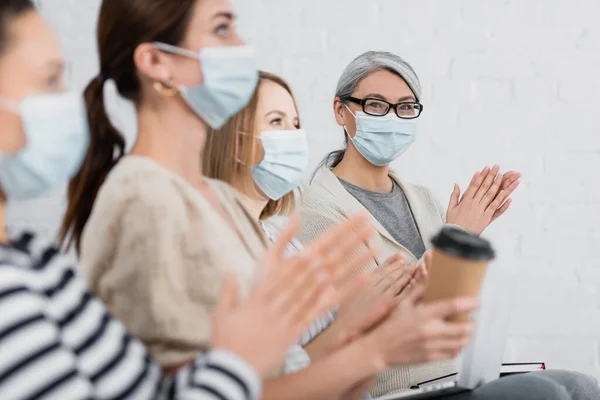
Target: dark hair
(10, 9)
(332, 159)
(122, 27)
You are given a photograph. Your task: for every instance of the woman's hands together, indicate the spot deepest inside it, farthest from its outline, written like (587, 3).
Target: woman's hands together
(485, 200)
(289, 294)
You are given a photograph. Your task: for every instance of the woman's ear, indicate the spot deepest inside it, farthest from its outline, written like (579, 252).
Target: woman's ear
(338, 109)
(152, 63)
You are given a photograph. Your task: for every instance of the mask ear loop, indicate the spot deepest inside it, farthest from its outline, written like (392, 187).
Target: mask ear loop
(170, 88)
(169, 48)
(348, 108)
(354, 115)
(237, 159)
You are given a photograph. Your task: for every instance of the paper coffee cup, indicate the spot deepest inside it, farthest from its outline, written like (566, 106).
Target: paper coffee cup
(459, 263)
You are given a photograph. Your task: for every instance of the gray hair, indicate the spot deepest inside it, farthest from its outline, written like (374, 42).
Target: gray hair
(373, 61)
(355, 72)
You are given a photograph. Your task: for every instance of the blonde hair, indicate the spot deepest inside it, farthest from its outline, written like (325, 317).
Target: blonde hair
(236, 141)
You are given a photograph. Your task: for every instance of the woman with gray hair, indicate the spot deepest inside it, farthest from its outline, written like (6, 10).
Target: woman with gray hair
(378, 101)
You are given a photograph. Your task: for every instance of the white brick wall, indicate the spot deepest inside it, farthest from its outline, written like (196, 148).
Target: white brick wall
(513, 82)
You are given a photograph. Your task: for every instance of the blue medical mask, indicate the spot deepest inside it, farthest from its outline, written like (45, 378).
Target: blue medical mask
(284, 163)
(382, 140)
(230, 79)
(57, 139)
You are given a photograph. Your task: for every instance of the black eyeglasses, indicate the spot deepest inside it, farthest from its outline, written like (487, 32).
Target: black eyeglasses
(379, 108)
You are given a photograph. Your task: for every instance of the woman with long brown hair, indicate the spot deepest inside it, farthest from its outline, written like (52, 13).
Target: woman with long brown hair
(156, 232)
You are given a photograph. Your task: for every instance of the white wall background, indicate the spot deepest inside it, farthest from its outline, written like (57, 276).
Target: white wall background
(513, 82)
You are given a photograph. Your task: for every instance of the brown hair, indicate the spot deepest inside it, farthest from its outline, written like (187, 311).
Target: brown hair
(122, 27)
(224, 147)
(10, 9)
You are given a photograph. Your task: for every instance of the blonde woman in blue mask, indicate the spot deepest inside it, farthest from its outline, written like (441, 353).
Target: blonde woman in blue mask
(378, 103)
(268, 129)
(58, 341)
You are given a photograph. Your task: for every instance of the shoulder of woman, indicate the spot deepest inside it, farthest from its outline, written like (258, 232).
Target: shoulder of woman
(134, 197)
(424, 196)
(34, 261)
(142, 182)
(224, 189)
(418, 190)
(317, 197)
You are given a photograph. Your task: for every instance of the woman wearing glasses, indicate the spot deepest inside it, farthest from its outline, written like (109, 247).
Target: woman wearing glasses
(378, 104)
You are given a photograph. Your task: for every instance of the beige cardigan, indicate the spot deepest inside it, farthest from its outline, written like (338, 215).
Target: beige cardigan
(154, 250)
(326, 203)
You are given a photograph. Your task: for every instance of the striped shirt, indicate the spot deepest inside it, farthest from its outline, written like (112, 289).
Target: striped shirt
(57, 341)
(296, 358)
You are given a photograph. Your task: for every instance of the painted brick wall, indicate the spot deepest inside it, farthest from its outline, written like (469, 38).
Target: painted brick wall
(506, 81)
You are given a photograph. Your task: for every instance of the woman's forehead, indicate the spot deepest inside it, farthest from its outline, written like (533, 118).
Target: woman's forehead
(33, 41)
(385, 84)
(274, 96)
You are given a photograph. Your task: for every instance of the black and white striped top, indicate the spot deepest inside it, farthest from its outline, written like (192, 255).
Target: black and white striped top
(57, 341)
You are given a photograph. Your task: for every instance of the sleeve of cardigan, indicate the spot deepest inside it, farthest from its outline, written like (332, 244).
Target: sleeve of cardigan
(316, 221)
(145, 282)
(441, 208)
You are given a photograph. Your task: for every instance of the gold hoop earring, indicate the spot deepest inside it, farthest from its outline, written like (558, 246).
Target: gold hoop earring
(165, 89)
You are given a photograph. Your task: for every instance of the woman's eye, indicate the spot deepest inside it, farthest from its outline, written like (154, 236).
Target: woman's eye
(276, 121)
(53, 82)
(222, 30)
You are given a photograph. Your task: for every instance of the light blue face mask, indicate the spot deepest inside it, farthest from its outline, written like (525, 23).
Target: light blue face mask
(284, 163)
(230, 79)
(57, 139)
(382, 140)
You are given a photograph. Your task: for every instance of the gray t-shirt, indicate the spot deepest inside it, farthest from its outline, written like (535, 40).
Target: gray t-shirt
(393, 212)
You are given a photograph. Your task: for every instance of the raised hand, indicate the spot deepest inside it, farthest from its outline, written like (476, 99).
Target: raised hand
(417, 333)
(290, 293)
(484, 201)
(510, 182)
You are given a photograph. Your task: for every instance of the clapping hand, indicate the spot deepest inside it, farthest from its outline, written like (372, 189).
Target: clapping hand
(416, 333)
(484, 201)
(290, 293)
